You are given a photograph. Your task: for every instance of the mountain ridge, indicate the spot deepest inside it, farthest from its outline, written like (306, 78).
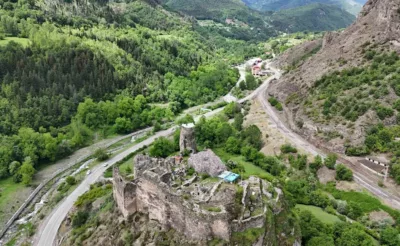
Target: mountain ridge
(350, 6)
(376, 30)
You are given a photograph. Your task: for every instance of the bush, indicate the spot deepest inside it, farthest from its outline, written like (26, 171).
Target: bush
(319, 199)
(162, 147)
(384, 112)
(343, 173)
(287, 148)
(273, 101)
(79, 218)
(190, 171)
(354, 210)
(357, 151)
(330, 161)
(70, 180)
(101, 154)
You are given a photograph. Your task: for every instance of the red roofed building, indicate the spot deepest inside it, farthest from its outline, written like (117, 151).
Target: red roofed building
(255, 70)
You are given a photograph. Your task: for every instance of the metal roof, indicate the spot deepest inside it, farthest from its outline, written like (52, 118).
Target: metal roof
(228, 176)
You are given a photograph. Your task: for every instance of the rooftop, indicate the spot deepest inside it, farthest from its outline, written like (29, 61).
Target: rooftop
(228, 176)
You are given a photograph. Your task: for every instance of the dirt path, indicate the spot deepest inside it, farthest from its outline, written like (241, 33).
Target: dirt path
(362, 176)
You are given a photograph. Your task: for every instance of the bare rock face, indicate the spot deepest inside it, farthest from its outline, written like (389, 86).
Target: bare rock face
(207, 162)
(378, 24)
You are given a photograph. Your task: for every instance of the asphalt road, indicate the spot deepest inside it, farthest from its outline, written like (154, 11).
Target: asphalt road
(47, 232)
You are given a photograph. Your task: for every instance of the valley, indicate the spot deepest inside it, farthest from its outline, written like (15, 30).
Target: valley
(166, 122)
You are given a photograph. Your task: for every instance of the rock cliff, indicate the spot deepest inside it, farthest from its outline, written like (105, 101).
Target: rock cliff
(378, 25)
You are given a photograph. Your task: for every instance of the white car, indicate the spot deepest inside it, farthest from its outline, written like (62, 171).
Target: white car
(105, 164)
(88, 172)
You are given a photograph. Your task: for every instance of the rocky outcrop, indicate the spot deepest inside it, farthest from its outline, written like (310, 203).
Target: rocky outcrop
(207, 162)
(377, 25)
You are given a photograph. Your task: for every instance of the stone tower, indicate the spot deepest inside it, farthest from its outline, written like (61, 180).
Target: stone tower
(187, 139)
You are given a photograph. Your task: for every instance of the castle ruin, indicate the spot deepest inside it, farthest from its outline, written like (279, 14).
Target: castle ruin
(187, 140)
(201, 209)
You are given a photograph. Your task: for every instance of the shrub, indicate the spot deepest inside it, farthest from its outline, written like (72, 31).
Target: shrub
(101, 154)
(343, 173)
(357, 151)
(384, 112)
(287, 148)
(354, 210)
(79, 218)
(273, 101)
(279, 107)
(319, 199)
(162, 147)
(70, 180)
(330, 161)
(190, 171)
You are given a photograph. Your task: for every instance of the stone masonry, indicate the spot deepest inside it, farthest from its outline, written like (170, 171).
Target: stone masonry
(199, 209)
(187, 140)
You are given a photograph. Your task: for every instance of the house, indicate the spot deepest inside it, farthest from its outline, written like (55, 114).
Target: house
(255, 70)
(229, 21)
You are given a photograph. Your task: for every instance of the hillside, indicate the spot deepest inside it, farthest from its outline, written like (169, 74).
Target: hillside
(350, 6)
(315, 17)
(235, 19)
(347, 94)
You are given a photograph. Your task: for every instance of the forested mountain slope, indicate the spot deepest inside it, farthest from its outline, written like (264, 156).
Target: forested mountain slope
(316, 17)
(350, 6)
(70, 69)
(348, 93)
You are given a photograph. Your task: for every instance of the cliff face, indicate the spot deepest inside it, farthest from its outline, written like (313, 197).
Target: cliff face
(378, 22)
(377, 25)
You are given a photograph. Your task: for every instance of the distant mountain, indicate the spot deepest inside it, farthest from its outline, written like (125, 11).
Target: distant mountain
(312, 17)
(207, 9)
(316, 17)
(351, 6)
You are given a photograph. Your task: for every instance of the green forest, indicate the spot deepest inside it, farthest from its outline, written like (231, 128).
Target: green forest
(69, 74)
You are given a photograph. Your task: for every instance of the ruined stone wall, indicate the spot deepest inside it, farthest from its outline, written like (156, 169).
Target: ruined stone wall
(252, 222)
(145, 162)
(187, 139)
(124, 194)
(173, 211)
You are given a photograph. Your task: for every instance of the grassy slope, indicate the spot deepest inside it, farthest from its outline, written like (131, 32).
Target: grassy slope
(23, 41)
(250, 168)
(319, 213)
(313, 17)
(12, 195)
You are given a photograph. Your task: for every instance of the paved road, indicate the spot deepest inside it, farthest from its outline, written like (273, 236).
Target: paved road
(47, 232)
(361, 176)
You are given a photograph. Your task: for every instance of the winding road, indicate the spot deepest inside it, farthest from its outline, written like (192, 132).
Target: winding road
(361, 176)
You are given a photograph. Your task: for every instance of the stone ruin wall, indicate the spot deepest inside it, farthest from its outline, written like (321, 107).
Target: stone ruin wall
(187, 139)
(149, 195)
(172, 211)
(257, 221)
(124, 194)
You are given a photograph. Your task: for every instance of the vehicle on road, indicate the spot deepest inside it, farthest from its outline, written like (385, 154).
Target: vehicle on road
(88, 172)
(105, 164)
